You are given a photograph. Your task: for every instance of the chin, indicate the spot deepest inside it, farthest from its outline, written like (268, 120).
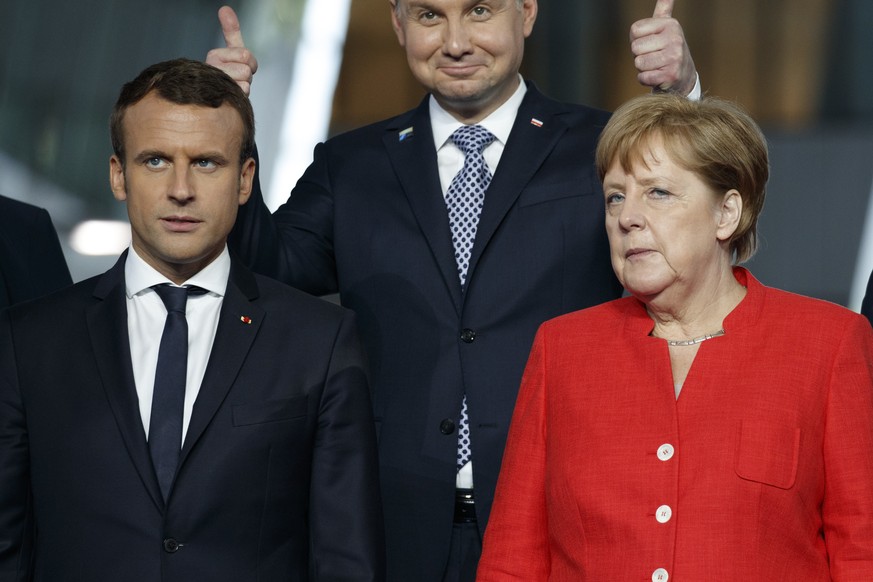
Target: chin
(463, 90)
(643, 286)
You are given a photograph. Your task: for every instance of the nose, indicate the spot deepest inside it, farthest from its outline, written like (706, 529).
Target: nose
(182, 188)
(456, 41)
(631, 215)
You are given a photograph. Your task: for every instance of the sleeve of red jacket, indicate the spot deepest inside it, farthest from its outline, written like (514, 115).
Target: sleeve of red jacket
(847, 511)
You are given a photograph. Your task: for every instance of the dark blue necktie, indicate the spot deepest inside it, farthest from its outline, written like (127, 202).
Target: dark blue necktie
(168, 400)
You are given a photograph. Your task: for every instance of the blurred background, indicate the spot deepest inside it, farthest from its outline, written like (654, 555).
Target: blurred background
(801, 67)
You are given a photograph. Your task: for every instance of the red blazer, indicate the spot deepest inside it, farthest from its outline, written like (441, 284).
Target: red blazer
(762, 470)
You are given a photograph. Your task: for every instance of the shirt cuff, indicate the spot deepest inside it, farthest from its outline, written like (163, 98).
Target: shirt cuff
(696, 93)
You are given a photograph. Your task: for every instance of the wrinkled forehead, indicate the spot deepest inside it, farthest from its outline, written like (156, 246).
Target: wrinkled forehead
(651, 147)
(403, 4)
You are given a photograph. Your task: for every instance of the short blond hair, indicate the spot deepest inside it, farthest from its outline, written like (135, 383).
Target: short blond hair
(714, 138)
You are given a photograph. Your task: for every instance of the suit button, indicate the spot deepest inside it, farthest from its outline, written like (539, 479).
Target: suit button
(468, 336)
(171, 546)
(447, 426)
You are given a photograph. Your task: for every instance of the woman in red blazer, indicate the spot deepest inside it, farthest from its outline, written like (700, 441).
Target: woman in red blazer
(707, 427)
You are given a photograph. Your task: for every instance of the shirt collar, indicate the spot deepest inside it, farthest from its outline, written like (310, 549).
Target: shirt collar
(499, 122)
(140, 276)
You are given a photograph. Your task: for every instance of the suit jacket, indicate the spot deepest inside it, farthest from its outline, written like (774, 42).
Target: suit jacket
(31, 260)
(760, 470)
(368, 219)
(867, 304)
(277, 476)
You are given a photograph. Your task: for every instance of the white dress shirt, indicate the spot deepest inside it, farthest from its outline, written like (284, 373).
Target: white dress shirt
(450, 160)
(146, 315)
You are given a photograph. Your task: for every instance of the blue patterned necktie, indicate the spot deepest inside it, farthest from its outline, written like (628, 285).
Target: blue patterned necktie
(168, 400)
(464, 200)
(466, 194)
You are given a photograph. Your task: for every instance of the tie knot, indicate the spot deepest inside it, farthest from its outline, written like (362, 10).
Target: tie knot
(174, 298)
(472, 138)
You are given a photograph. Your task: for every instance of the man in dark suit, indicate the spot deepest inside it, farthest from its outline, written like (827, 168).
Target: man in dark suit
(867, 304)
(261, 464)
(449, 306)
(31, 260)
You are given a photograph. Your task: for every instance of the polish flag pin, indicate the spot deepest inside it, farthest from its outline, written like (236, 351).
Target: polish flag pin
(536, 122)
(246, 319)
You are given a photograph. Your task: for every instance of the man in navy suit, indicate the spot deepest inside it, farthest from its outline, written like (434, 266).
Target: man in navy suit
(867, 304)
(31, 260)
(447, 338)
(256, 459)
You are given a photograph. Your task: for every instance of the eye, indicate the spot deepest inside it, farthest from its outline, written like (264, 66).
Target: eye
(658, 193)
(480, 11)
(427, 16)
(614, 198)
(154, 162)
(206, 164)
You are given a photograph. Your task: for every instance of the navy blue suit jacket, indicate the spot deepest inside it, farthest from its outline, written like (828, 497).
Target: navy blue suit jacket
(278, 472)
(31, 260)
(368, 219)
(867, 304)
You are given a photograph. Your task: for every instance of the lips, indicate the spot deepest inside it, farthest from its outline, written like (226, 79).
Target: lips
(180, 223)
(636, 253)
(460, 69)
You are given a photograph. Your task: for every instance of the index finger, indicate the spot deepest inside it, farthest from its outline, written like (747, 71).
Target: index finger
(230, 27)
(663, 9)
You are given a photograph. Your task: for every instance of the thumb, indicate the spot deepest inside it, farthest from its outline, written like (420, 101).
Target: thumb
(663, 9)
(230, 27)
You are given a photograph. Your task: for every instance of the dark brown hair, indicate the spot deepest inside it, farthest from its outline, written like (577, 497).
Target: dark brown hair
(184, 82)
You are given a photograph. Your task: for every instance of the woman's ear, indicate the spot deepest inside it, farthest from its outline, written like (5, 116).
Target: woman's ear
(729, 212)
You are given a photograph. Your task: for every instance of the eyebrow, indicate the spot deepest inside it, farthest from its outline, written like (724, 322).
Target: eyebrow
(645, 181)
(612, 186)
(427, 5)
(417, 5)
(213, 155)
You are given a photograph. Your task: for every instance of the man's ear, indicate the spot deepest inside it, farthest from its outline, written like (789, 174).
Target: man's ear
(529, 12)
(116, 179)
(246, 180)
(395, 23)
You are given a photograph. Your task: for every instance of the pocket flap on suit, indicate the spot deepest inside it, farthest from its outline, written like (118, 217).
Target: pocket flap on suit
(269, 411)
(768, 453)
(539, 193)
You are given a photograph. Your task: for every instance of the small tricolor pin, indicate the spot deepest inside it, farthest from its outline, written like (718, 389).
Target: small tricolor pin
(536, 122)
(404, 134)
(246, 319)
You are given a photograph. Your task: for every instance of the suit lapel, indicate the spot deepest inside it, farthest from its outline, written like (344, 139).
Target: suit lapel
(107, 327)
(537, 129)
(410, 147)
(238, 323)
